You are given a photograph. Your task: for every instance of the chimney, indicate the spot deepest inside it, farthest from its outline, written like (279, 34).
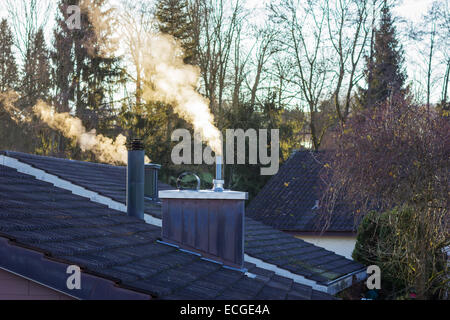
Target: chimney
(135, 179)
(151, 181)
(218, 182)
(207, 222)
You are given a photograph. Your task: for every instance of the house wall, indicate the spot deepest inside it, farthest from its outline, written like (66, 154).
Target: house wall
(13, 287)
(342, 245)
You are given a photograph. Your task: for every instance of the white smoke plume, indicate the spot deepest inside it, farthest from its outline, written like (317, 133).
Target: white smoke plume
(166, 77)
(105, 149)
(8, 103)
(174, 82)
(106, 24)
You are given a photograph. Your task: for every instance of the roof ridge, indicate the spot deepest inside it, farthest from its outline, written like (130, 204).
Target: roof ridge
(30, 155)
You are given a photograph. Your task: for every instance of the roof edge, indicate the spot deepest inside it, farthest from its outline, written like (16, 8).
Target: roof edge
(320, 233)
(34, 266)
(331, 287)
(11, 154)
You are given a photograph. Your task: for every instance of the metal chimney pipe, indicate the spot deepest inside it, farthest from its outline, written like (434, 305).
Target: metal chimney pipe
(218, 182)
(135, 179)
(218, 168)
(151, 181)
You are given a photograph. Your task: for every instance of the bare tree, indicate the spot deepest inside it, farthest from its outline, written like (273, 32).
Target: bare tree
(264, 49)
(138, 18)
(348, 32)
(445, 83)
(395, 158)
(429, 37)
(303, 39)
(239, 62)
(26, 17)
(430, 61)
(444, 27)
(218, 29)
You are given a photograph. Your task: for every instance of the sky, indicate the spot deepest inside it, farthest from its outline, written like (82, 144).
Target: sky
(411, 10)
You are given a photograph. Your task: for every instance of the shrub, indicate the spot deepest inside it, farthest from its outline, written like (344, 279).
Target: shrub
(406, 245)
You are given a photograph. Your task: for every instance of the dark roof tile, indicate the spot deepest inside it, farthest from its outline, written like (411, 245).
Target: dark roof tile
(286, 202)
(84, 229)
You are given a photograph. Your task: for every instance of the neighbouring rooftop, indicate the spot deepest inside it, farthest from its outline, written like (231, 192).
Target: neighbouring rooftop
(289, 200)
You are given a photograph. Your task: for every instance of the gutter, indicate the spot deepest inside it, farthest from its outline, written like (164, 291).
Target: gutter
(35, 266)
(321, 233)
(331, 287)
(342, 283)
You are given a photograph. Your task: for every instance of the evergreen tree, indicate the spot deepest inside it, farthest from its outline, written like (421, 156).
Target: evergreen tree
(385, 75)
(36, 84)
(8, 81)
(84, 78)
(62, 58)
(8, 66)
(83, 75)
(173, 18)
(36, 81)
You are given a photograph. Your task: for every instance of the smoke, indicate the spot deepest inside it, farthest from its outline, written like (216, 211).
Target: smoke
(166, 78)
(105, 149)
(7, 102)
(105, 23)
(171, 81)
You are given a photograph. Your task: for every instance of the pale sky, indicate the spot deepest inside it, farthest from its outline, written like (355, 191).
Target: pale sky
(411, 10)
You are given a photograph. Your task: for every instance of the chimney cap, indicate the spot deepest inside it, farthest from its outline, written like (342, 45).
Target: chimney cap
(203, 194)
(135, 144)
(152, 166)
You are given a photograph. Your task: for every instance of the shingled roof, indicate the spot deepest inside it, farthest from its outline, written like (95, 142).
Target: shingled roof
(288, 200)
(269, 252)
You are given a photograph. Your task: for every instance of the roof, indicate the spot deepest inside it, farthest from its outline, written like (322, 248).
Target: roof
(289, 199)
(108, 243)
(268, 251)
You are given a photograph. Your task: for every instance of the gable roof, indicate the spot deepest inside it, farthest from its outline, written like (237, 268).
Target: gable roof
(264, 246)
(104, 242)
(288, 199)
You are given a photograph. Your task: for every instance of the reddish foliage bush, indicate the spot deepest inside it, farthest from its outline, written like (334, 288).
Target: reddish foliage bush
(393, 160)
(392, 155)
